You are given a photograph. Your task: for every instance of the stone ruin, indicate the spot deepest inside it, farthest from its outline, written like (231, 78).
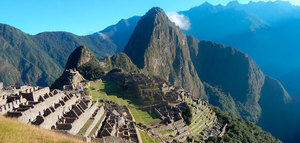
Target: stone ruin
(12, 97)
(119, 123)
(60, 110)
(167, 102)
(148, 89)
(69, 111)
(73, 120)
(75, 80)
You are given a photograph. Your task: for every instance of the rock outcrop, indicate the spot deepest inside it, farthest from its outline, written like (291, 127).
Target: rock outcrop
(81, 64)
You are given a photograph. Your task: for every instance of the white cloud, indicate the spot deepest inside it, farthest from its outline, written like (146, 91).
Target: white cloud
(180, 20)
(103, 35)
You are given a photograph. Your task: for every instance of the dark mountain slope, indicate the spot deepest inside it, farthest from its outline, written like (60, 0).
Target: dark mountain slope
(278, 117)
(243, 89)
(232, 71)
(158, 47)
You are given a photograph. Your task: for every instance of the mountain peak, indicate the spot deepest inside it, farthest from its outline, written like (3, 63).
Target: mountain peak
(155, 11)
(78, 57)
(156, 45)
(233, 3)
(155, 15)
(206, 4)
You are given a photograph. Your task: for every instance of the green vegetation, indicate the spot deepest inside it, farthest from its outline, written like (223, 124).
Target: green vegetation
(240, 131)
(165, 131)
(109, 91)
(187, 115)
(13, 131)
(147, 139)
(121, 61)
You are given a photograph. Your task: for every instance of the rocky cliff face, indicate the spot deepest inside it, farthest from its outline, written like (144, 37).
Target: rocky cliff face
(158, 47)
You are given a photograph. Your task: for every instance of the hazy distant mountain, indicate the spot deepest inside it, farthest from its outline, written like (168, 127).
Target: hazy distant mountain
(271, 12)
(120, 32)
(210, 22)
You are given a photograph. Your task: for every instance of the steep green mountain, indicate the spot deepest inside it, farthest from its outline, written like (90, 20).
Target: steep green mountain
(24, 61)
(160, 48)
(39, 59)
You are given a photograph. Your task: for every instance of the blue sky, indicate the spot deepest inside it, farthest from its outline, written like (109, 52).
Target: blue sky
(84, 16)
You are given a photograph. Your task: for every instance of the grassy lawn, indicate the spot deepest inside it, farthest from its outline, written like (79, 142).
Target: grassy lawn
(109, 91)
(166, 131)
(13, 131)
(141, 116)
(147, 139)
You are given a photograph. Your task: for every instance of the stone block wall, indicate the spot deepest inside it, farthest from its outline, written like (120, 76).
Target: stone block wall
(38, 109)
(52, 118)
(12, 105)
(98, 129)
(40, 92)
(99, 114)
(82, 119)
